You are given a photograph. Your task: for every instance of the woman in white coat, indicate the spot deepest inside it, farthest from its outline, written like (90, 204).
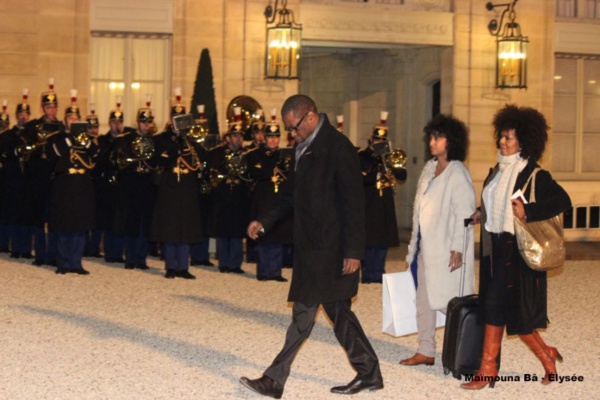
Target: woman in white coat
(444, 198)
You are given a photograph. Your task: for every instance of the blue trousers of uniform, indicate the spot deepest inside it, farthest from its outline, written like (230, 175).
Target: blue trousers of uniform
(70, 247)
(21, 239)
(288, 255)
(373, 266)
(4, 236)
(136, 250)
(270, 260)
(177, 256)
(45, 245)
(92, 243)
(113, 246)
(199, 251)
(230, 252)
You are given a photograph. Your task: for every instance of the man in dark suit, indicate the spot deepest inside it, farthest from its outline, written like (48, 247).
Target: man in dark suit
(324, 190)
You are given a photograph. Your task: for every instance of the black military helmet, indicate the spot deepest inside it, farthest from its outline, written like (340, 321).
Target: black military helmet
(73, 109)
(236, 127)
(4, 120)
(272, 129)
(24, 106)
(381, 131)
(145, 115)
(116, 115)
(92, 121)
(177, 109)
(49, 99)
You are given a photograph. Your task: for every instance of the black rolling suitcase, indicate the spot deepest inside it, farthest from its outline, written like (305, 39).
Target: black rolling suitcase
(463, 336)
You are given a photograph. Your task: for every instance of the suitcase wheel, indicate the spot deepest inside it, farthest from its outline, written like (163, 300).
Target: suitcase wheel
(446, 371)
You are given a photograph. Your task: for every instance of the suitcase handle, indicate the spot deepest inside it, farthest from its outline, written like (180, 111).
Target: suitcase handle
(467, 222)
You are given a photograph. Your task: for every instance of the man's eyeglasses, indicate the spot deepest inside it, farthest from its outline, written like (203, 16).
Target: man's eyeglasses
(295, 127)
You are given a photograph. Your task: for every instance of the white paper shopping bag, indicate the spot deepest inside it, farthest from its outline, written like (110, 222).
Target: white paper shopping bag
(399, 305)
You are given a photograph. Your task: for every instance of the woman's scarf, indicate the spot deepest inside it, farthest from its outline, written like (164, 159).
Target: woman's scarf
(502, 215)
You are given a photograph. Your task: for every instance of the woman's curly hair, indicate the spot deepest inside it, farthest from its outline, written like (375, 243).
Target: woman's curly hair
(454, 130)
(531, 129)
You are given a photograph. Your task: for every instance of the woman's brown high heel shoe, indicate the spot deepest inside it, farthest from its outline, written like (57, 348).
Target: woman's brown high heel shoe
(487, 370)
(548, 361)
(552, 353)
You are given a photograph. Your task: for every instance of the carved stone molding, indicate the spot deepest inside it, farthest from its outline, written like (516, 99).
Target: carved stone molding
(391, 25)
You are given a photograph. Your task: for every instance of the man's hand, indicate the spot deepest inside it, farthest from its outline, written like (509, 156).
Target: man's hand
(455, 261)
(351, 265)
(253, 229)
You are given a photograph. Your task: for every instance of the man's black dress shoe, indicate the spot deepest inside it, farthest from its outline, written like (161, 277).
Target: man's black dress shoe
(52, 263)
(26, 255)
(185, 275)
(62, 271)
(237, 271)
(206, 263)
(129, 266)
(4, 250)
(273, 278)
(80, 271)
(367, 280)
(224, 270)
(38, 262)
(358, 385)
(170, 274)
(15, 255)
(141, 266)
(263, 385)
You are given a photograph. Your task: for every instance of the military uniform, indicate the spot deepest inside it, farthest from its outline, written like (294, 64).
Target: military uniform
(15, 152)
(268, 174)
(38, 172)
(72, 207)
(136, 193)
(4, 228)
(177, 220)
(106, 192)
(380, 212)
(230, 209)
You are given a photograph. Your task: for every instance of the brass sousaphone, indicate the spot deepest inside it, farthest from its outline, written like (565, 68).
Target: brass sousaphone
(250, 109)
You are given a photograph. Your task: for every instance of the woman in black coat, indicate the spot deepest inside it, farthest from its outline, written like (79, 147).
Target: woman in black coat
(512, 294)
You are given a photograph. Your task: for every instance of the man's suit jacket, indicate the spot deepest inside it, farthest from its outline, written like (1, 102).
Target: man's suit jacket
(326, 194)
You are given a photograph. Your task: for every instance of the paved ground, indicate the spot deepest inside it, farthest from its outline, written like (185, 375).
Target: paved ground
(121, 334)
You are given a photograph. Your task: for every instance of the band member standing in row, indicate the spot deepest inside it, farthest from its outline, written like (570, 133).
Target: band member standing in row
(136, 189)
(105, 183)
(4, 227)
(93, 238)
(230, 211)
(38, 170)
(199, 254)
(268, 175)
(177, 220)
(379, 182)
(72, 207)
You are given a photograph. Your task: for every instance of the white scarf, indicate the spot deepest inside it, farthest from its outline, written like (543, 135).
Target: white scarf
(502, 215)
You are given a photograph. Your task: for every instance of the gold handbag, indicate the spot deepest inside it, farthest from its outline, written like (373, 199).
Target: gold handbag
(540, 243)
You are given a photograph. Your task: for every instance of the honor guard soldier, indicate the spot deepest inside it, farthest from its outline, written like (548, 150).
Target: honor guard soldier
(199, 254)
(177, 220)
(4, 227)
(230, 211)
(15, 152)
(72, 212)
(105, 183)
(267, 171)
(136, 189)
(38, 170)
(257, 131)
(379, 180)
(92, 244)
